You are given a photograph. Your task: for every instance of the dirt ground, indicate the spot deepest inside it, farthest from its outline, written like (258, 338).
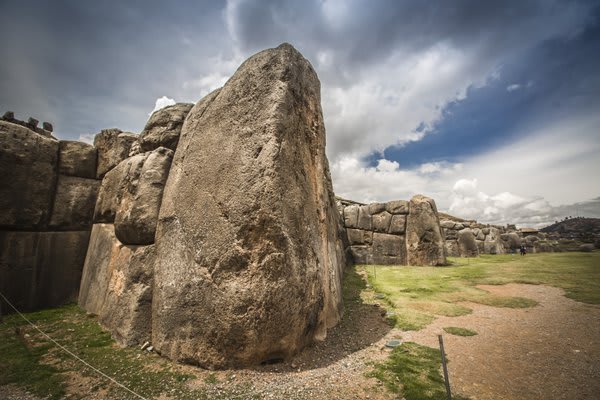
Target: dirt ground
(551, 351)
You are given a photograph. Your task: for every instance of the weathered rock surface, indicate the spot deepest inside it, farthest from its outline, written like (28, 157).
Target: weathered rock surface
(249, 262)
(137, 214)
(41, 269)
(131, 196)
(467, 244)
(77, 159)
(359, 237)
(397, 207)
(424, 241)
(74, 203)
(110, 193)
(164, 126)
(398, 224)
(117, 285)
(381, 222)
(511, 241)
(351, 216)
(452, 249)
(113, 147)
(388, 249)
(28, 165)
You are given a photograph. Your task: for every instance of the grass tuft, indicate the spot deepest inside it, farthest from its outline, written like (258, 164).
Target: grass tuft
(455, 330)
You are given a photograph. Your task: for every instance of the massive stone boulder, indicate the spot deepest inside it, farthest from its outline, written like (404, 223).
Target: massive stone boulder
(248, 259)
(467, 244)
(424, 240)
(28, 172)
(164, 126)
(113, 147)
(116, 285)
(137, 214)
(131, 195)
(77, 159)
(41, 269)
(74, 203)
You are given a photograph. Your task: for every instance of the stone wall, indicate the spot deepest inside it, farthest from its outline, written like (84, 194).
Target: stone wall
(239, 259)
(398, 232)
(463, 238)
(47, 200)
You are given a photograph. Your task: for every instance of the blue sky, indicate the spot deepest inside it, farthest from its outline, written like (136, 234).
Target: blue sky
(491, 108)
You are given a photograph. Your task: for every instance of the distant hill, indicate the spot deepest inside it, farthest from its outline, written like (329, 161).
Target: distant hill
(579, 227)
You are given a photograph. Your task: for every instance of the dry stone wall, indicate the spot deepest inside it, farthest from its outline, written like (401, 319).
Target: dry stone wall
(233, 255)
(399, 232)
(47, 201)
(464, 238)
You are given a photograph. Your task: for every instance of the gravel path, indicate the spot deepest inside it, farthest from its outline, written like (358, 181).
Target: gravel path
(551, 351)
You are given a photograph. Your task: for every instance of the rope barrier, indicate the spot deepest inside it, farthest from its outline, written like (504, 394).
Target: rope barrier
(69, 352)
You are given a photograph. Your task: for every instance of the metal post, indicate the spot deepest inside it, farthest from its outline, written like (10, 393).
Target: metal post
(446, 381)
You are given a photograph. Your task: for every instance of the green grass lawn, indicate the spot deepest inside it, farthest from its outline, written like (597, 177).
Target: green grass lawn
(31, 361)
(417, 294)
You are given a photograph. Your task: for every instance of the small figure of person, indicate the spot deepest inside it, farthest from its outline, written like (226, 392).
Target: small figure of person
(523, 250)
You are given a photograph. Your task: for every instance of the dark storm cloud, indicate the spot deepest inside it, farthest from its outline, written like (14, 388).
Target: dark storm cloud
(86, 65)
(364, 32)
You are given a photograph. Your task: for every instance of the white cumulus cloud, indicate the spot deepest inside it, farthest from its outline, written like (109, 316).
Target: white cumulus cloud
(162, 102)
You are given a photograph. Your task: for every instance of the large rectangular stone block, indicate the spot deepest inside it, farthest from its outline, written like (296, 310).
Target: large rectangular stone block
(360, 237)
(364, 218)
(351, 216)
(77, 159)
(361, 254)
(117, 285)
(74, 203)
(398, 224)
(381, 222)
(386, 246)
(28, 165)
(41, 269)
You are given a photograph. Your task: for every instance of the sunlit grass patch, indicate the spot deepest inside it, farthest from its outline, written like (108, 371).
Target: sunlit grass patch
(457, 331)
(413, 371)
(418, 294)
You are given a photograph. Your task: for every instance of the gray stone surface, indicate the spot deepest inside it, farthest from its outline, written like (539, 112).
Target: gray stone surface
(364, 218)
(110, 193)
(452, 249)
(376, 208)
(447, 224)
(381, 222)
(467, 244)
(117, 285)
(388, 249)
(113, 147)
(511, 241)
(74, 202)
(361, 254)
(28, 172)
(142, 184)
(398, 224)
(231, 241)
(351, 216)
(77, 159)
(397, 207)
(424, 241)
(41, 269)
(163, 127)
(359, 237)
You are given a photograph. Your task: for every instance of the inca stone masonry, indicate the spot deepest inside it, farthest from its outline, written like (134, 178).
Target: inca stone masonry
(214, 233)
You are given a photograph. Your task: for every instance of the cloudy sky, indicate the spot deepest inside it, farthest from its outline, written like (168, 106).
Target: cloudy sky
(490, 107)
